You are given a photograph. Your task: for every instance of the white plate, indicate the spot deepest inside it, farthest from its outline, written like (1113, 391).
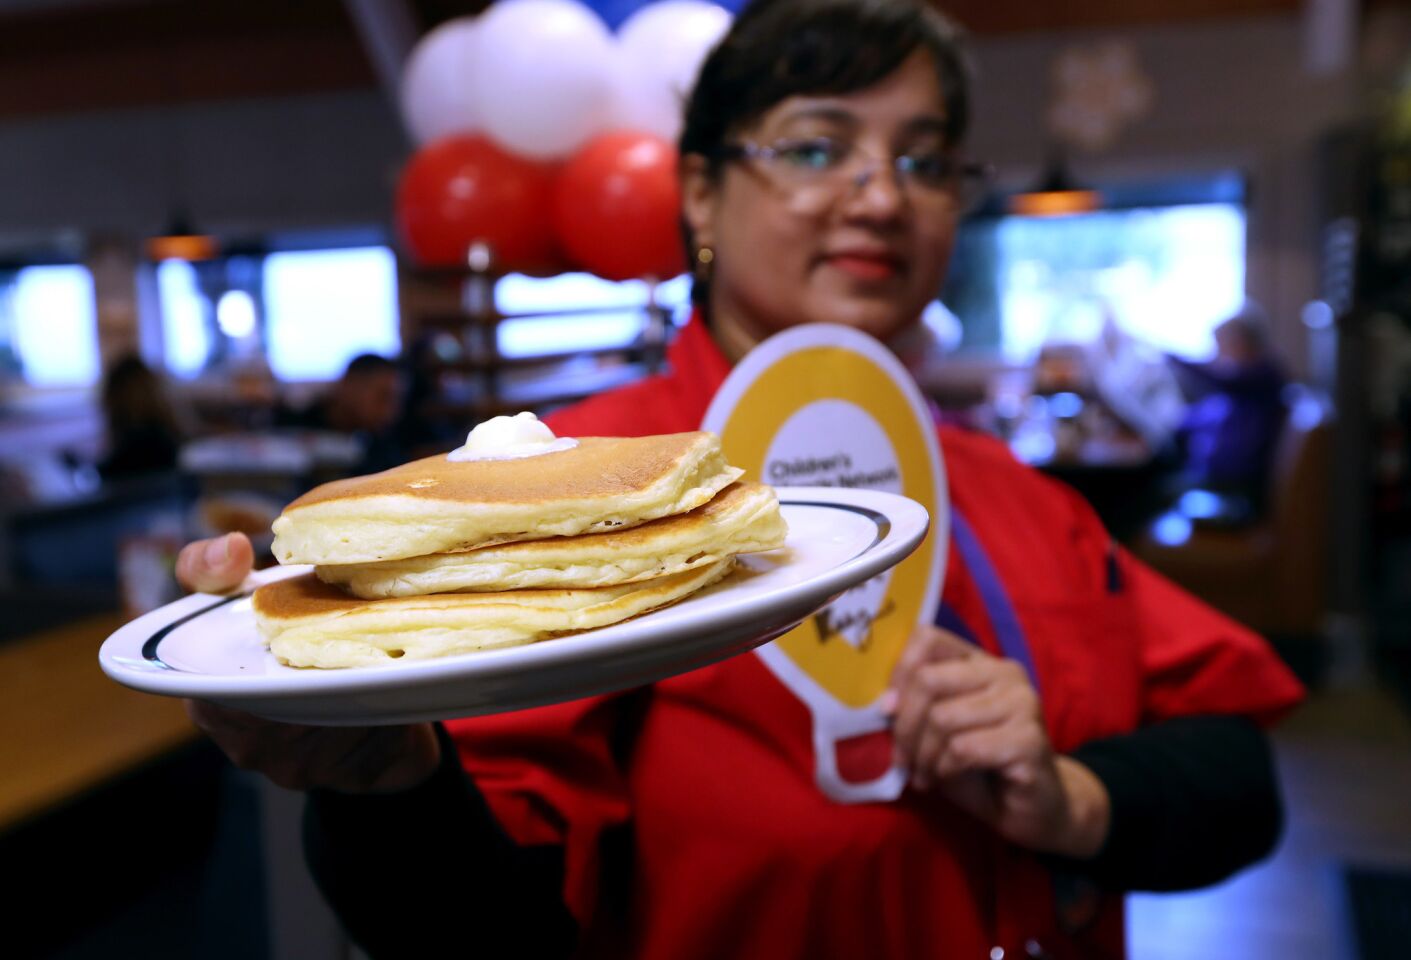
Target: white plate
(207, 647)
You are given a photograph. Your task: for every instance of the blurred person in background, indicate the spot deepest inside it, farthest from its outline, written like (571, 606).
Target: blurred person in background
(143, 432)
(1072, 726)
(1135, 383)
(366, 403)
(1237, 411)
(423, 426)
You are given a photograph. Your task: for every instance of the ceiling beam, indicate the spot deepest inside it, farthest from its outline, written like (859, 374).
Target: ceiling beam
(990, 17)
(177, 51)
(57, 6)
(388, 30)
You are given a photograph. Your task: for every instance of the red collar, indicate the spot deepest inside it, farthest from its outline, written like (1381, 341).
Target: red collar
(698, 368)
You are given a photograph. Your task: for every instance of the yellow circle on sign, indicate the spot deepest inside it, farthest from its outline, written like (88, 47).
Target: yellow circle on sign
(855, 676)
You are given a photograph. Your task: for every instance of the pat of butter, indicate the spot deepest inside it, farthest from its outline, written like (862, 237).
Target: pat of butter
(510, 438)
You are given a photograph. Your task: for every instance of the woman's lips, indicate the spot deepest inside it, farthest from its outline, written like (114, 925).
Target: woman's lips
(870, 267)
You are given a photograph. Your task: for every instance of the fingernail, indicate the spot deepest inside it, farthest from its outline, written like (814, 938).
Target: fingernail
(887, 703)
(217, 552)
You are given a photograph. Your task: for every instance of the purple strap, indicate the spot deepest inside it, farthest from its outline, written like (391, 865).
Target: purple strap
(996, 599)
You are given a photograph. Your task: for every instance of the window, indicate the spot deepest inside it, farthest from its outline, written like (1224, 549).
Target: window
(1165, 274)
(210, 315)
(546, 333)
(186, 335)
(304, 312)
(324, 307)
(49, 326)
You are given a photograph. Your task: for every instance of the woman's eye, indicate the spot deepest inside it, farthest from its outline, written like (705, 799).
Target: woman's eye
(812, 154)
(931, 167)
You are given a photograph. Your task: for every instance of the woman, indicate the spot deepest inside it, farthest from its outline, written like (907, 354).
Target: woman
(143, 435)
(821, 178)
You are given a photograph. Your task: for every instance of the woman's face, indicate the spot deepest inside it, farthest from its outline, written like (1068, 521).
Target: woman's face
(861, 246)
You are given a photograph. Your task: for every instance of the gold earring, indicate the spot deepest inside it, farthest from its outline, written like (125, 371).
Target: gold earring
(704, 256)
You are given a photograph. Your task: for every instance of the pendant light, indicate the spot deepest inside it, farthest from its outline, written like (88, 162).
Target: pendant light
(180, 240)
(1056, 194)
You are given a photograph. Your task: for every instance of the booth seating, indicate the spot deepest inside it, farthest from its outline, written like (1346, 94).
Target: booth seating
(1271, 575)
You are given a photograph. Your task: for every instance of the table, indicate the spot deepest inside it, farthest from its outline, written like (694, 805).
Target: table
(1119, 477)
(68, 728)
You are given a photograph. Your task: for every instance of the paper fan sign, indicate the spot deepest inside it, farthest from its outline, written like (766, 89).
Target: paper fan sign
(824, 405)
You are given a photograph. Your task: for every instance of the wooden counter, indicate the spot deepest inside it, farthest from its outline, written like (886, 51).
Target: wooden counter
(65, 728)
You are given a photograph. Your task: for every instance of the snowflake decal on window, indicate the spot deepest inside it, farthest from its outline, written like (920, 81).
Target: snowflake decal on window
(1097, 90)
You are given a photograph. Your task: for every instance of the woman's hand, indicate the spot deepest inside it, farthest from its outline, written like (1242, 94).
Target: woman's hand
(347, 759)
(969, 726)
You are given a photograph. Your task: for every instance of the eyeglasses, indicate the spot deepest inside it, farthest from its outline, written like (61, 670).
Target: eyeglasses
(819, 164)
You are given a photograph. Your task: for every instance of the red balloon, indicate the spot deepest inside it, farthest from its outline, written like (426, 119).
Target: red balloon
(463, 189)
(617, 207)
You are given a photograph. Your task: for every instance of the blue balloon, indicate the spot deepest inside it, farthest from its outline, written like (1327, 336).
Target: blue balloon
(614, 12)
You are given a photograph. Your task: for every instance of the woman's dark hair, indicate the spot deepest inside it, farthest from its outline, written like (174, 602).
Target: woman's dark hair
(777, 49)
(143, 433)
(134, 398)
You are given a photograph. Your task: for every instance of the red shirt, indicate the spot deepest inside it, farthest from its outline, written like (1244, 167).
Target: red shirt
(735, 851)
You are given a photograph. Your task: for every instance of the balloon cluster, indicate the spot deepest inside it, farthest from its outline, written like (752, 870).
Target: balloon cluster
(551, 140)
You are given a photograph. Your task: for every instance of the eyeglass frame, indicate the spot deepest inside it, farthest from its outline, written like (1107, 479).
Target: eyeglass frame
(977, 173)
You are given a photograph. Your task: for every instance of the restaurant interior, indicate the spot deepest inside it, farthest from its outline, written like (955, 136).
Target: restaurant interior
(211, 233)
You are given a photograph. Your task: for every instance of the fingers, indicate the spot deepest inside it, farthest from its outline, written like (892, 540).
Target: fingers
(277, 750)
(417, 762)
(215, 720)
(215, 566)
(351, 759)
(307, 758)
(928, 643)
(296, 757)
(947, 721)
(928, 684)
(401, 758)
(1009, 748)
(943, 708)
(969, 726)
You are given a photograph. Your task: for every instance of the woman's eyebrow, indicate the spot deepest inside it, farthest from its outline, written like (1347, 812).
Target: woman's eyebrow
(930, 123)
(821, 112)
(923, 124)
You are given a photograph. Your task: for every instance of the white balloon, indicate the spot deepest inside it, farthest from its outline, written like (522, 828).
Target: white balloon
(436, 94)
(544, 80)
(643, 103)
(668, 41)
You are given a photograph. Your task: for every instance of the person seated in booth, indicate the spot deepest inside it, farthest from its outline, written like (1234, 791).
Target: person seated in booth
(143, 434)
(822, 169)
(1232, 426)
(423, 426)
(365, 402)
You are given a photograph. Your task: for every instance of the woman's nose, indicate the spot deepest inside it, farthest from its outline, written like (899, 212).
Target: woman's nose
(877, 190)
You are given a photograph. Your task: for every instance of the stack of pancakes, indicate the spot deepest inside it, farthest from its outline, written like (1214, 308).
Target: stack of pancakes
(437, 557)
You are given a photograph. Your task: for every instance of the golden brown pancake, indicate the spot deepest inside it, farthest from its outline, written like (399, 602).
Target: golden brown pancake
(308, 623)
(437, 505)
(742, 518)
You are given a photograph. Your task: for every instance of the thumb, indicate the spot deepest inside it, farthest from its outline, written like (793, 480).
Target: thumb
(214, 566)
